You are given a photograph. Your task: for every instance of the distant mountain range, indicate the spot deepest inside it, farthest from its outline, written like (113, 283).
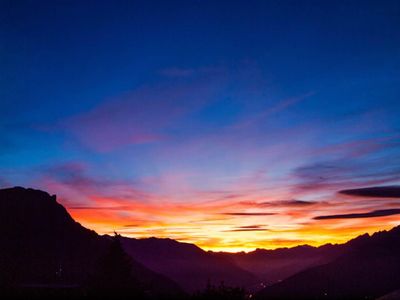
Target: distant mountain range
(187, 264)
(41, 245)
(367, 267)
(272, 266)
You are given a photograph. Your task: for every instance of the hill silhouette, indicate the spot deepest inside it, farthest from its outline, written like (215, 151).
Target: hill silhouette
(271, 266)
(187, 264)
(42, 246)
(367, 268)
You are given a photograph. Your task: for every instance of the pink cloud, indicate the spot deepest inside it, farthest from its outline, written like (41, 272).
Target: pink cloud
(141, 116)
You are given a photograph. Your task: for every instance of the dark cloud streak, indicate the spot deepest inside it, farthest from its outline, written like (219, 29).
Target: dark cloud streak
(293, 202)
(244, 230)
(371, 214)
(250, 227)
(376, 191)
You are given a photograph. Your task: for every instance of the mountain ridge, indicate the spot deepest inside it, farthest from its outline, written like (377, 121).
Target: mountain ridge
(368, 268)
(42, 245)
(34, 220)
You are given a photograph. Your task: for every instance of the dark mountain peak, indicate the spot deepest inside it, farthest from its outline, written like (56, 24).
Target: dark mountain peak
(296, 250)
(359, 240)
(376, 240)
(42, 244)
(367, 266)
(21, 196)
(186, 263)
(395, 230)
(26, 212)
(164, 247)
(37, 195)
(284, 251)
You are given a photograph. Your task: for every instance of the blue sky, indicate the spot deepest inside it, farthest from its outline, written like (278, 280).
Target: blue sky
(180, 101)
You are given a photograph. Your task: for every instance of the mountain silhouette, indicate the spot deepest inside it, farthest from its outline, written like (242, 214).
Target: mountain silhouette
(271, 266)
(367, 268)
(187, 264)
(41, 245)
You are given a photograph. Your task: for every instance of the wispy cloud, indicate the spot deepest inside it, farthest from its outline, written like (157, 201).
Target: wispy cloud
(141, 116)
(108, 208)
(344, 172)
(248, 214)
(177, 72)
(274, 109)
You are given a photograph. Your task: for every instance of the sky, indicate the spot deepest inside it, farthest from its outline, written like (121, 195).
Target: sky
(233, 125)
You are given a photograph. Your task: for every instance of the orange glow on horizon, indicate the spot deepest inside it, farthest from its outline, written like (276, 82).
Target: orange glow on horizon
(242, 227)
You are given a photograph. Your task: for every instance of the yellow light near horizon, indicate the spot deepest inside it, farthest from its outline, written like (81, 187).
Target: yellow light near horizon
(203, 223)
(215, 239)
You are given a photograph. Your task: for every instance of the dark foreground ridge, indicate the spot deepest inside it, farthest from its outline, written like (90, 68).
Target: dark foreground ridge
(368, 268)
(44, 253)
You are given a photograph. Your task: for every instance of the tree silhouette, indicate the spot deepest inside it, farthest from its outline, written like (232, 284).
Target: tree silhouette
(220, 292)
(113, 275)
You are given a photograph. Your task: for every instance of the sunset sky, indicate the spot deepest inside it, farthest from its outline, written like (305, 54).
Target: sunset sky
(229, 124)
